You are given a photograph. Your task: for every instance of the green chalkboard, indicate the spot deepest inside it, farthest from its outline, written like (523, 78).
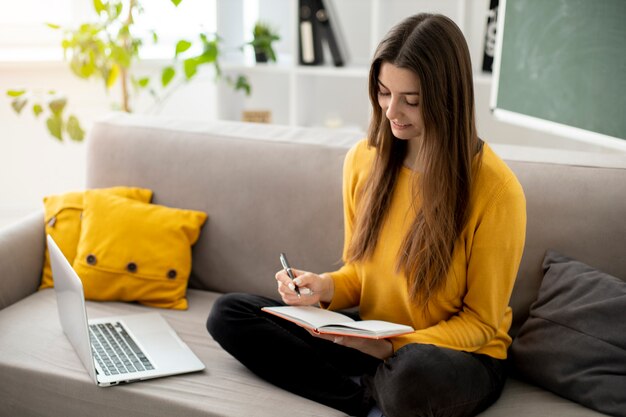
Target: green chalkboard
(565, 61)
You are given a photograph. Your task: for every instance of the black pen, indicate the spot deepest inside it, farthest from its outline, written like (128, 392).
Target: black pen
(283, 261)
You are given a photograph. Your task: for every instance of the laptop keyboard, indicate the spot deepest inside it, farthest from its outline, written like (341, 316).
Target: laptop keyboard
(115, 351)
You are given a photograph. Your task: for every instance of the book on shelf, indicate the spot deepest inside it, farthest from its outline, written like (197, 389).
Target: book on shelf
(331, 322)
(315, 31)
(490, 36)
(310, 50)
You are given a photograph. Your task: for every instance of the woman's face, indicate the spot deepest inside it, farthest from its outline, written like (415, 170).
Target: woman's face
(399, 98)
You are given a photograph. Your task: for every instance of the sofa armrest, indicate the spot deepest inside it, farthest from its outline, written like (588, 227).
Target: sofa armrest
(22, 247)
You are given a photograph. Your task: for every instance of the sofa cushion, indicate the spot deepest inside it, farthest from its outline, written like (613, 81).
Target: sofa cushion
(134, 251)
(574, 342)
(62, 215)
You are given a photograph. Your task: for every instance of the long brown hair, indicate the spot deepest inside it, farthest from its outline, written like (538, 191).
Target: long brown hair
(433, 47)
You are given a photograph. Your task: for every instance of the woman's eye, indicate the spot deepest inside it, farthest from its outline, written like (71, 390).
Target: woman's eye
(412, 104)
(384, 94)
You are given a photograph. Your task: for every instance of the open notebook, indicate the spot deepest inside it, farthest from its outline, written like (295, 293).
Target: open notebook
(330, 322)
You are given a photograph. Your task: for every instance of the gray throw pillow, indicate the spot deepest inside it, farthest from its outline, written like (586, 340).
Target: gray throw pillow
(574, 341)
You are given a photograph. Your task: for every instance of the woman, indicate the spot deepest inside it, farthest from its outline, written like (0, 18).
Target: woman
(434, 233)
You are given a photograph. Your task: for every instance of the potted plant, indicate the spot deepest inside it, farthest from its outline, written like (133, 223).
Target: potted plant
(108, 50)
(263, 36)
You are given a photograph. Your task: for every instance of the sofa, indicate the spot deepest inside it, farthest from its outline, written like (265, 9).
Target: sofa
(266, 189)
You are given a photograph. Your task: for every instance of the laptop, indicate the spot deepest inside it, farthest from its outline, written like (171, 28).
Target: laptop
(116, 350)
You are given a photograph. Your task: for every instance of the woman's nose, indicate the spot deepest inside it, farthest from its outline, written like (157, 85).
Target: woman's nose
(391, 111)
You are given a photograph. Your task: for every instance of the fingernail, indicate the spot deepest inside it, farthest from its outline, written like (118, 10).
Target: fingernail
(297, 281)
(292, 287)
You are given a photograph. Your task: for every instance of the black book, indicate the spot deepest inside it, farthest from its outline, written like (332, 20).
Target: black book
(315, 29)
(310, 47)
(490, 36)
(328, 33)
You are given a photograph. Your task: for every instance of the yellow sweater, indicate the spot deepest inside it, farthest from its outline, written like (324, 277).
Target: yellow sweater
(471, 313)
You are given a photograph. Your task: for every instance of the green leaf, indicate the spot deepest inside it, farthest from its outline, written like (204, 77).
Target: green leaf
(243, 84)
(155, 37)
(135, 46)
(176, 2)
(82, 68)
(143, 82)
(190, 67)
(98, 6)
(37, 109)
(124, 31)
(121, 56)
(53, 26)
(118, 10)
(57, 105)
(15, 93)
(210, 52)
(218, 70)
(85, 29)
(18, 104)
(74, 129)
(55, 126)
(182, 46)
(167, 75)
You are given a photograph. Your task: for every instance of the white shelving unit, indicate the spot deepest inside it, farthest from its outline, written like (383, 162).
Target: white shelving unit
(324, 95)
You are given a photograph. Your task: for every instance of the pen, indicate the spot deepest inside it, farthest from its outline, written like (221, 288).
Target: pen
(283, 261)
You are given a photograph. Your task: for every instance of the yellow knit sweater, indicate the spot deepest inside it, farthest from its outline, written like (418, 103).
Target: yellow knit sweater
(471, 313)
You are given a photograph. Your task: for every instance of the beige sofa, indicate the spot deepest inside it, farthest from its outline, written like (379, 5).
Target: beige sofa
(266, 189)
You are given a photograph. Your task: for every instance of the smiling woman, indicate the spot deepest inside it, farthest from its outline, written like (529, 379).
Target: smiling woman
(399, 97)
(420, 193)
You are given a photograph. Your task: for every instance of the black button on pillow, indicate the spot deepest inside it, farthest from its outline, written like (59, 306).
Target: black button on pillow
(91, 259)
(131, 267)
(171, 274)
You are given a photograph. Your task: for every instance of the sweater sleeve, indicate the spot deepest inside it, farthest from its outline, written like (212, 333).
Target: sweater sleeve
(346, 280)
(496, 251)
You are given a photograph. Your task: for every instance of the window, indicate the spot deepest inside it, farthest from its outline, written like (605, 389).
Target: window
(24, 35)
(172, 23)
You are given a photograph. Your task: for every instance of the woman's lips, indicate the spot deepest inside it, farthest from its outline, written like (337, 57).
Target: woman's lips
(399, 125)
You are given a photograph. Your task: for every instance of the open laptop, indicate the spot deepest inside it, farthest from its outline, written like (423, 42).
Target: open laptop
(120, 349)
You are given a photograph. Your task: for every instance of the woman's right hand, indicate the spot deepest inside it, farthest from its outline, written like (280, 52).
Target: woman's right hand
(313, 288)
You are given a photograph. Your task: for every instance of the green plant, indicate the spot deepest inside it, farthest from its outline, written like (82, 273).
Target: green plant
(263, 37)
(107, 50)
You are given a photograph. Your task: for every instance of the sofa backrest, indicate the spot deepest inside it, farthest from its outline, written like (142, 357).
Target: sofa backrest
(271, 189)
(577, 210)
(266, 189)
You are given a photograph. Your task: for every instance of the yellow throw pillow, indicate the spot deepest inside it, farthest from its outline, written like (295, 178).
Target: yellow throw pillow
(133, 251)
(62, 215)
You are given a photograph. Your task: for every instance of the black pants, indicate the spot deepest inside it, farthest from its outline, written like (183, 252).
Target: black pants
(418, 380)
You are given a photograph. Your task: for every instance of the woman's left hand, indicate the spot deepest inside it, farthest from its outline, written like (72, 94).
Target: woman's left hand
(378, 348)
